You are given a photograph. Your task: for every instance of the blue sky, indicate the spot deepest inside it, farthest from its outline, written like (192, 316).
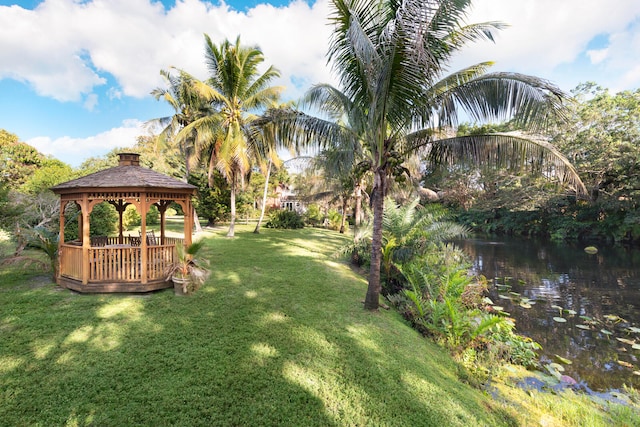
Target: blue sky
(75, 76)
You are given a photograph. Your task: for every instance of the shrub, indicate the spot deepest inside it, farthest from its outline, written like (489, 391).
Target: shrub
(131, 218)
(313, 216)
(285, 219)
(335, 220)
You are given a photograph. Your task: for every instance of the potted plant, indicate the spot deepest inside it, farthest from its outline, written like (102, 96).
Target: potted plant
(189, 271)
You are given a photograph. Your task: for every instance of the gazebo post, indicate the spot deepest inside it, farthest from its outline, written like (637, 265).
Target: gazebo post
(144, 259)
(86, 239)
(63, 205)
(162, 208)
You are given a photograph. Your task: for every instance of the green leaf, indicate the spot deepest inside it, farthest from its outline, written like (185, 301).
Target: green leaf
(563, 360)
(560, 319)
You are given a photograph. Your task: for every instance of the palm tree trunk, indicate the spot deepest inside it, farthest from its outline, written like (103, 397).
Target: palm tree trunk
(358, 209)
(371, 301)
(344, 214)
(232, 226)
(264, 198)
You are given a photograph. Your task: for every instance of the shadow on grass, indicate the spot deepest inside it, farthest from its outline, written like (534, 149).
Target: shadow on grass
(277, 336)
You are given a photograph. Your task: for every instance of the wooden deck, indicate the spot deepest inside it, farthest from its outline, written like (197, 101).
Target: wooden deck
(117, 267)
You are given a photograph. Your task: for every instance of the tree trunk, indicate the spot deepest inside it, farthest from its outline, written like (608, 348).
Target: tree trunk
(344, 214)
(196, 222)
(371, 301)
(358, 209)
(264, 199)
(232, 226)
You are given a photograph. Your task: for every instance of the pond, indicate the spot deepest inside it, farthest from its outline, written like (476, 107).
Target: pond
(582, 307)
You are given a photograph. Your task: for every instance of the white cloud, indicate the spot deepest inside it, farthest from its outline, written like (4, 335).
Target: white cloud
(598, 55)
(65, 48)
(547, 34)
(75, 150)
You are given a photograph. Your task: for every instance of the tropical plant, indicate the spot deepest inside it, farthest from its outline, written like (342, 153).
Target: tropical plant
(235, 89)
(410, 230)
(285, 219)
(189, 265)
(47, 241)
(391, 58)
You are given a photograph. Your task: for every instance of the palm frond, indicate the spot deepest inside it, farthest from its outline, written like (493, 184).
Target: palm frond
(510, 152)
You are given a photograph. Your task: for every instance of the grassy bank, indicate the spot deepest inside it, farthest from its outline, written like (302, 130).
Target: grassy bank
(277, 336)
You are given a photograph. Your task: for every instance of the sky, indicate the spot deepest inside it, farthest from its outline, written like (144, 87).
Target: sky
(76, 76)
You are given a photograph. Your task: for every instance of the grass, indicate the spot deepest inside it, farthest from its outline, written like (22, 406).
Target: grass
(277, 336)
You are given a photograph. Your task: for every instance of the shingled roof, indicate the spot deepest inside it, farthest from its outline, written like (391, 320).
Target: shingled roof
(127, 174)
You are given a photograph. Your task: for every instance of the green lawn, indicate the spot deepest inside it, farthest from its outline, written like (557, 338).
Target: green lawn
(277, 336)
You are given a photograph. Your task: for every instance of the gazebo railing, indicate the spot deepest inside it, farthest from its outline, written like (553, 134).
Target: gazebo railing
(118, 263)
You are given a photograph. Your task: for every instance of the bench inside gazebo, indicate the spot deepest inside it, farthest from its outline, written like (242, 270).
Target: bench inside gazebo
(121, 263)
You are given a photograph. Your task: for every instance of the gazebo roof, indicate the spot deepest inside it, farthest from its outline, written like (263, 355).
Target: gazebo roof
(127, 174)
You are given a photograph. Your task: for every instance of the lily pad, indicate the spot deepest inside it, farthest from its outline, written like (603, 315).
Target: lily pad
(504, 296)
(613, 318)
(604, 331)
(626, 341)
(636, 346)
(585, 327)
(633, 329)
(557, 307)
(525, 304)
(515, 294)
(498, 308)
(571, 312)
(563, 360)
(625, 364)
(587, 318)
(560, 319)
(591, 250)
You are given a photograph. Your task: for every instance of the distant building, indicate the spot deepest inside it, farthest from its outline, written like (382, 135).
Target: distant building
(286, 199)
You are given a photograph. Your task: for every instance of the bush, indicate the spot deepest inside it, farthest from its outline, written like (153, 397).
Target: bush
(313, 215)
(131, 218)
(285, 219)
(335, 220)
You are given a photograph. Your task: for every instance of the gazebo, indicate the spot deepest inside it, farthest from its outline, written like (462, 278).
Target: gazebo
(121, 263)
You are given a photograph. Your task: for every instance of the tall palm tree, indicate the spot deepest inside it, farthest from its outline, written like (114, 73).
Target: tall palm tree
(188, 106)
(235, 90)
(392, 57)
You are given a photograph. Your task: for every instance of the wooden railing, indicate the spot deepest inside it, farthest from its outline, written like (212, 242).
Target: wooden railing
(71, 261)
(115, 264)
(118, 263)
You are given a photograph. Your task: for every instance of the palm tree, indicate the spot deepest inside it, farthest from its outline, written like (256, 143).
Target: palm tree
(235, 91)
(391, 57)
(188, 106)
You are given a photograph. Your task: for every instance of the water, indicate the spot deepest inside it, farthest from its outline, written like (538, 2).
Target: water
(604, 286)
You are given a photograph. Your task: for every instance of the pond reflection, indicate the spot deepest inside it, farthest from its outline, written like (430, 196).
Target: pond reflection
(562, 280)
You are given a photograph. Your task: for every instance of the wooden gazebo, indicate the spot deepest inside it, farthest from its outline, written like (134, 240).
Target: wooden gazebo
(121, 263)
